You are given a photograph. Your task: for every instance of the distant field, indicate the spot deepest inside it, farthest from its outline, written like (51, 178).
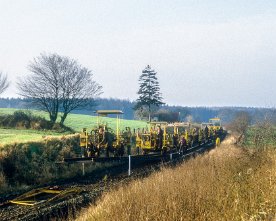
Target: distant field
(75, 121)
(15, 135)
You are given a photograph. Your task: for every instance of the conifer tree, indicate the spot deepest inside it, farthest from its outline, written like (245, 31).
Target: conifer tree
(149, 91)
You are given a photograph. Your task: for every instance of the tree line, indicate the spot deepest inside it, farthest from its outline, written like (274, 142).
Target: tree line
(165, 112)
(60, 84)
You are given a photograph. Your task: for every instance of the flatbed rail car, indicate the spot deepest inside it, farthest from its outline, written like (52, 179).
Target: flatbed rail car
(164, 137)
(216, 122)
(149, 140)
(157, 137)
(103, 139)
(214, 127)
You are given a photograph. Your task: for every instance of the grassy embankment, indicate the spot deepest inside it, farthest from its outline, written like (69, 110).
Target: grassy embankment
(28, 157)
(229, 183)
(74, 121)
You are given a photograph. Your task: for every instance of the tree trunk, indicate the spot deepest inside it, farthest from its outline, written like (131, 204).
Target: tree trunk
(53, 117)
(63, 117)
(54, 112)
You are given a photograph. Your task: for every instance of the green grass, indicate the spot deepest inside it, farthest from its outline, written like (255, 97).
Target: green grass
(21, 136)
(76, 121)
(266, 136)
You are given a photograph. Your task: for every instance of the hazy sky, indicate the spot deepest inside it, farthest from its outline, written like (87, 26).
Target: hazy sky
(206, 52)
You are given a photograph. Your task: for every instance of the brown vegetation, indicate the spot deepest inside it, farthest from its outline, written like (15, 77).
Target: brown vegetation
(263, 135)
(229, 183)
(35, 163)
(239, 126)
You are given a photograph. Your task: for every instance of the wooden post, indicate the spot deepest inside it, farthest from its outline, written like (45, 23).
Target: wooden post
(83, 171)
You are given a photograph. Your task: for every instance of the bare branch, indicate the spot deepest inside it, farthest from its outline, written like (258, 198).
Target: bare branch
(58, 83)
(4, 83)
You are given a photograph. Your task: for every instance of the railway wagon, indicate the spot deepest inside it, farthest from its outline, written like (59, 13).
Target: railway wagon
(164, 137)
(103, 140)
(159, 137)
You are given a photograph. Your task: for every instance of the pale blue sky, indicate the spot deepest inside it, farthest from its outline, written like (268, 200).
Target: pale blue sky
(212, 53)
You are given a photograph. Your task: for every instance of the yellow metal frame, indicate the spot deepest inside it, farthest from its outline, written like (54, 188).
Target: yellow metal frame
(215, 120)
(167, 135)
(105, 113)
(147, 145)
(84, 136)
(25, 198)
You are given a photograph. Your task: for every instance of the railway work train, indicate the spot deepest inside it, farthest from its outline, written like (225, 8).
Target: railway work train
(159, 137)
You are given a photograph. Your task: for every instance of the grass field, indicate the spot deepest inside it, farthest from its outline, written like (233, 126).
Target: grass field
(17, 135)
(74, 121)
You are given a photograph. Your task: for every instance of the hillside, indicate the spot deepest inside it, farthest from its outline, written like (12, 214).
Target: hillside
(75, 121)
(199, 114)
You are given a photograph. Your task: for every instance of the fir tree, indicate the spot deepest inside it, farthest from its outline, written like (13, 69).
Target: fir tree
(149, 91)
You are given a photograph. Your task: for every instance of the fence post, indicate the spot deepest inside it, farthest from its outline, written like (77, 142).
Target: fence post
(83, 172)
(171, 156)
(82, 165)
(129, 165)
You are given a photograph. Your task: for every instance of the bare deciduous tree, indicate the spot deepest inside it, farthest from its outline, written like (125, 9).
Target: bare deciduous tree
(78, 88)
(4, 83)
(240, 125)
(58, 83)
(189, 118)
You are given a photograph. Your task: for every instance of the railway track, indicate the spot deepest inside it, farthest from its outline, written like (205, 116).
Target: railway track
(91, 186)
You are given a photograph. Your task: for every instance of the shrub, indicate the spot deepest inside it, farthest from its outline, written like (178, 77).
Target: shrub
(264, 135)
(3, 182)
(26, 120)
(36, 163)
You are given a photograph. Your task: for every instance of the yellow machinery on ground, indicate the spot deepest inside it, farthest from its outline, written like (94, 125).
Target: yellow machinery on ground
(102, 138)
(44, 195)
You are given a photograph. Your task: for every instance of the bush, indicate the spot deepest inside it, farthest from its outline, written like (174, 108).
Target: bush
(166, 115)
(3, 182)
(264, 135)
(26, 120)
(61, 128)
(36, 163)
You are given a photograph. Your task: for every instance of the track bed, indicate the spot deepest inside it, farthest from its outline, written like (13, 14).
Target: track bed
(91, 186)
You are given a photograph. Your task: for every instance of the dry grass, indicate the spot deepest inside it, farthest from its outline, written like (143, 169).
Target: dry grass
(34, 163)
(229, 183)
